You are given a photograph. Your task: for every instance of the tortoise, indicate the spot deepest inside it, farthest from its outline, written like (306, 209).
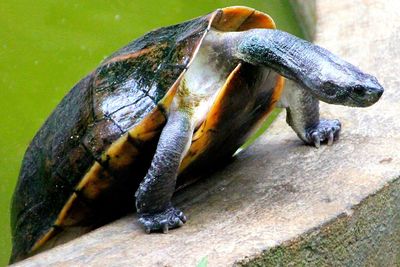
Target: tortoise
(164, 109)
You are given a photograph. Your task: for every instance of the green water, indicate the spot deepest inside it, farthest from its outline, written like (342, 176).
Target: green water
(47, 46)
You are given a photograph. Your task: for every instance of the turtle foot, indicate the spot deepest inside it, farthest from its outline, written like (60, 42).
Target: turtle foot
(168, 219)
(325, 131)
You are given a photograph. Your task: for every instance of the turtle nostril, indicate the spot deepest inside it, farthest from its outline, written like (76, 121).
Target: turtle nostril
(379, 92)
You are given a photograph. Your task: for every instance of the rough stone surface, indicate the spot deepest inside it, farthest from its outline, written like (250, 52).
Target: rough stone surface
(368, 236)
(283, 203)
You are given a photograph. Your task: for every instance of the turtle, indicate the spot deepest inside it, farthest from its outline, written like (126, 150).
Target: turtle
(165, 109)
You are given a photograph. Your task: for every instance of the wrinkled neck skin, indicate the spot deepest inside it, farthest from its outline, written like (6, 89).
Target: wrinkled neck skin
(317, 70)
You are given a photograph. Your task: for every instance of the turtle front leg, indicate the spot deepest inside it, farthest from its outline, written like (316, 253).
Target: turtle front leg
(302, 114)
(153, 197)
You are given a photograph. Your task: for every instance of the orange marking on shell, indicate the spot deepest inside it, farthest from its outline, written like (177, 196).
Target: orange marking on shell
(278, 89)
(257, 20)
(129, 56)
(238, 18)
(231, 18)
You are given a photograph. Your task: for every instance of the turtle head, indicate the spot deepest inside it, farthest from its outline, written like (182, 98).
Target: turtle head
(344, 84)
(328, 77)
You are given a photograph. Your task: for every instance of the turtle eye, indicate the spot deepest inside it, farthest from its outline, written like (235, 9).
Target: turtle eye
(359, 90)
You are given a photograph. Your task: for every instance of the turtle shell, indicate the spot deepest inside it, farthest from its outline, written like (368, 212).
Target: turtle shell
(87, 160)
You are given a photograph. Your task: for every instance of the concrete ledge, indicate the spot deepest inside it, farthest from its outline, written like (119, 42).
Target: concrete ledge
(280, 202)
(367, 236)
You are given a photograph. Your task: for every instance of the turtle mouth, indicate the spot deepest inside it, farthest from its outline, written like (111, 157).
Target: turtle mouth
(355, 102)
(365, 97)
(339, 97)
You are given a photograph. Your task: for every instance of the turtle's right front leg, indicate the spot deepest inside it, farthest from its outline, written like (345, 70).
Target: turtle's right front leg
(302, 114)
(153, 197)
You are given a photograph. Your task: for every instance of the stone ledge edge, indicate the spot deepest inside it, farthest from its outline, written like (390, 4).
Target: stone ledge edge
(346, 240)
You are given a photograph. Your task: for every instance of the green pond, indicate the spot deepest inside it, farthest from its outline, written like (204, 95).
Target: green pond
(47, 46)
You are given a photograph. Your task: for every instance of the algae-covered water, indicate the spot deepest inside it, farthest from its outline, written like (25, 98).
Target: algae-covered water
(47, 46)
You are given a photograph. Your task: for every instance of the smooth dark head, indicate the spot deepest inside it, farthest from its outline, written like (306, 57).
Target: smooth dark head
(326, 76)
(336, 81)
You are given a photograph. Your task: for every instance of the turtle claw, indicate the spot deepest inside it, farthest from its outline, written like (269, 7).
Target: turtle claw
(330, 139)
(165, 228)
(325, 131)
(316, 140)
(147, 230)
(162, 222)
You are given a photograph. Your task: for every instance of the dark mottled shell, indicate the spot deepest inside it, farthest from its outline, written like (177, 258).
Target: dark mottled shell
(96, 112)
(101, 108)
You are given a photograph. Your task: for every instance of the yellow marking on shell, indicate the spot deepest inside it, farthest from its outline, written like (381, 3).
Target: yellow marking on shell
(121, 154)
(148, 127)
(46, 237)
(147, 136)
(98, 180)
(63, 213)
(90, 187)
(94, 173)
(77, 213)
